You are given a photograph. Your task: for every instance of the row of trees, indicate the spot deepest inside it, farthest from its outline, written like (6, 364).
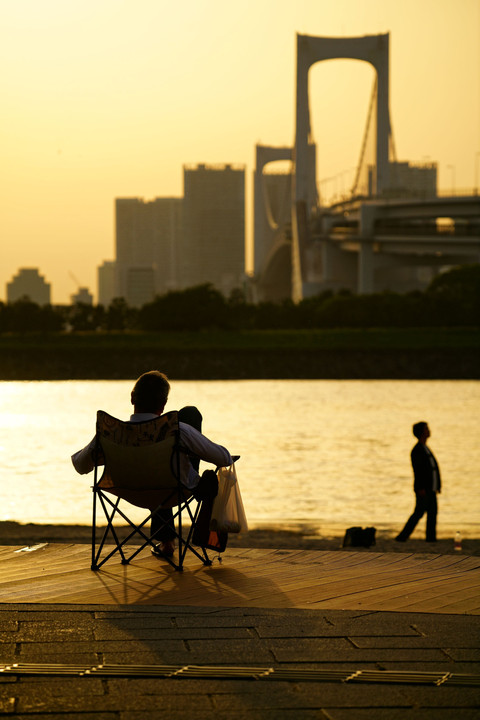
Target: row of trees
(452, 299)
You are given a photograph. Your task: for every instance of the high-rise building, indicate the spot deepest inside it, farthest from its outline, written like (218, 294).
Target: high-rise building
(213, 247)
(408, 180)
(147, 240)
(106, 282)
(28, 283)
(140, 285)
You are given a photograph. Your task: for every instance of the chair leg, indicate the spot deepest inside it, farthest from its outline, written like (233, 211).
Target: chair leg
(205, 559)
(184, 544)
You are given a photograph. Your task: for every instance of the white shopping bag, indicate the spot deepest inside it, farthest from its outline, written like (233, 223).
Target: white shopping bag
(228, 514)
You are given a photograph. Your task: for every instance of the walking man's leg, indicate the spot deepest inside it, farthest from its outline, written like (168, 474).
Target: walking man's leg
(410, 525)
(432, 517)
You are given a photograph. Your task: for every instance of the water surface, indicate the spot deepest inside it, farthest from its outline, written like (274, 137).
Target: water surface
(313, 451)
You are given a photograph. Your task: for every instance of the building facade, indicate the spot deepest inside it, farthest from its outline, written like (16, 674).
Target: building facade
(147, 241)
(83, 296)
(213, 244)
(409, 180)
(106, 282)
(28, 283)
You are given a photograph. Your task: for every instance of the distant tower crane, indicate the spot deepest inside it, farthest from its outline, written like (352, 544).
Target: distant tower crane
(74, 279)
(83, 294)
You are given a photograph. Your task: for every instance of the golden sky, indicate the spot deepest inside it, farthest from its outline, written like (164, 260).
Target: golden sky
(110, 98)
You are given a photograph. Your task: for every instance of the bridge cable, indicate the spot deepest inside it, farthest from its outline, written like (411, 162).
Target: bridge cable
(365, 136)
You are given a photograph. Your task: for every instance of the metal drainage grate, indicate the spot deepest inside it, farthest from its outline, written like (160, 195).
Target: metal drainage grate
(247, 672)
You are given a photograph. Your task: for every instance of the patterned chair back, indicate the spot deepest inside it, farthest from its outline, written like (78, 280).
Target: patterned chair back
(141, 460)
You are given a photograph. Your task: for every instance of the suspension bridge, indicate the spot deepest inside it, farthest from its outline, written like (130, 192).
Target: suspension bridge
(390, 231)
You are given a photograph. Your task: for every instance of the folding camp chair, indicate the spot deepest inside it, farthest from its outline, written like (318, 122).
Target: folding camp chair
(141, 467)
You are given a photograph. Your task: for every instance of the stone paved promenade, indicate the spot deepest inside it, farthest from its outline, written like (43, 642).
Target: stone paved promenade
(289, 639)
(68, 638)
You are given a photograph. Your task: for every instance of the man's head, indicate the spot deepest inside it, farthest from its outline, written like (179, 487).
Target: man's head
(150, 392)
(421, 430)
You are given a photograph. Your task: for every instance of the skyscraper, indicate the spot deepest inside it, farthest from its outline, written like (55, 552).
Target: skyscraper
(147, 238)
(213, 247)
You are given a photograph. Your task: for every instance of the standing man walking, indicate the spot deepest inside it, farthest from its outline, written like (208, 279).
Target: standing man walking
(426, 485)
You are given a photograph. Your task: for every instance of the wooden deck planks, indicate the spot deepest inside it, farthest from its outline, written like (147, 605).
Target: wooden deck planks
(247, 578)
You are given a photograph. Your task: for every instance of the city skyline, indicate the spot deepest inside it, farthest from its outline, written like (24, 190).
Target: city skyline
(112, 99)
(169, 244)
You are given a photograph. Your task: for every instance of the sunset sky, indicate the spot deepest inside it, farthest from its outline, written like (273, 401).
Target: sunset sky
(110, 98)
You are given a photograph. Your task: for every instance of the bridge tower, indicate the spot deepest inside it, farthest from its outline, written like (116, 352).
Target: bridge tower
(272, 241)
(373, 49)
(263, 219)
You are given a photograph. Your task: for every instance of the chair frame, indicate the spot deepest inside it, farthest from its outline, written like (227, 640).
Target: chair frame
(179, 499)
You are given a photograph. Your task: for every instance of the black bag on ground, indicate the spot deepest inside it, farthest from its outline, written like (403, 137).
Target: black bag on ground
(359, 537)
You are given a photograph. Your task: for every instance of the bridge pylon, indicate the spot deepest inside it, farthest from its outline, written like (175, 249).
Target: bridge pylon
(373, 49)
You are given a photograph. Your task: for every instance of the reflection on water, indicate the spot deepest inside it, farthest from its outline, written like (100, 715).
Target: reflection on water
(315, 451)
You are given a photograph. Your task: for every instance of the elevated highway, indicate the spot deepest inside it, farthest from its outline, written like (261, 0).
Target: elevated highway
(389, 238)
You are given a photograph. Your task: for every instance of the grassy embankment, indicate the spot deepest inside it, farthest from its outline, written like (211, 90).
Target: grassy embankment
(443, 353)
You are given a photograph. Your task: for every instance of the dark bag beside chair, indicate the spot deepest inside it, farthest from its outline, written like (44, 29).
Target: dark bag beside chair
(203, 536)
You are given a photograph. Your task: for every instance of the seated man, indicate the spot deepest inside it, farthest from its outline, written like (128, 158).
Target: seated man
(149, 397)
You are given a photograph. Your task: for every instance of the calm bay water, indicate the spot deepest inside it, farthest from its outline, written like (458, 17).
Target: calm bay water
(316, 451)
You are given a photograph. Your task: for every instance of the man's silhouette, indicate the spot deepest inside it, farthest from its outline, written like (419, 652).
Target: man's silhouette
(426, 485)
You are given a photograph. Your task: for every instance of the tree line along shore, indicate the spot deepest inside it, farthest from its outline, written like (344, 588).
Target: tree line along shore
(374, 353)
(451, 300)
(198, 334)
